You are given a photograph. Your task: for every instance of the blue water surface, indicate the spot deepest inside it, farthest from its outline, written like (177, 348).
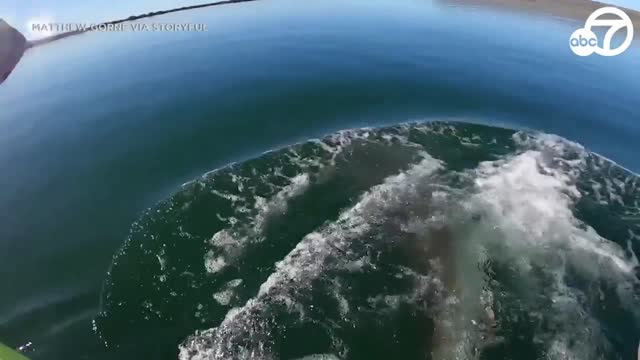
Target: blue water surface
(98, 127)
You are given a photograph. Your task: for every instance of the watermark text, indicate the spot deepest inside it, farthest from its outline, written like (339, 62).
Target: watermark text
(54, 28)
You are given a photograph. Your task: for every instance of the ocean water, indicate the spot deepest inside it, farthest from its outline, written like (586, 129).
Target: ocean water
(470, 212)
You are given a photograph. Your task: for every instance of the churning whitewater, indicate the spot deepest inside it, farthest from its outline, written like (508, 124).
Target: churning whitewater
(418, 241)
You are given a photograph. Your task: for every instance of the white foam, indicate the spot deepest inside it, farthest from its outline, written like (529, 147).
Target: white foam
(229, 243)
(231, 197)
(213, 263)
(278, 203)
(301, 266)
(526, 202)
(234, 283)
(161, 261)
(320, 357)
(306, 260)
(223, 297)
(529, 199)
(528, 196)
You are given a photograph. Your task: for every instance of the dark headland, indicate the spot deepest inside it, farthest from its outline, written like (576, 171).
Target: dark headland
(12, 46)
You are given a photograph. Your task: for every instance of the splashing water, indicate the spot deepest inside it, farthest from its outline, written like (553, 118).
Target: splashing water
(436, 240)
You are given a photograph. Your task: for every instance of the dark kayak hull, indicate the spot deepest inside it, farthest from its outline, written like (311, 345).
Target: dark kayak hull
(12, 47)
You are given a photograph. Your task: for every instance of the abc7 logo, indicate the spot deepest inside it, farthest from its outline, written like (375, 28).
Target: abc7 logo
(584, 42)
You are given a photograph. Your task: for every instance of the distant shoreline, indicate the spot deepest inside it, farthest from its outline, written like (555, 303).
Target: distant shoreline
(49, 39)
(578, 10)
(571, 9)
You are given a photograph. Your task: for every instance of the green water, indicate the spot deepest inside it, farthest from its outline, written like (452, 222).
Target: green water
(356, 245)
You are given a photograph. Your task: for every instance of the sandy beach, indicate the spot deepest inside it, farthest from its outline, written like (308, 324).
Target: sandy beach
(578, 10)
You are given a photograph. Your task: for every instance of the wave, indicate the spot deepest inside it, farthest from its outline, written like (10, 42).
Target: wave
(451, 240)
